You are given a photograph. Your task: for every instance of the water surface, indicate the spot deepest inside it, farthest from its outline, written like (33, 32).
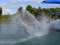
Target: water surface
(12, 35)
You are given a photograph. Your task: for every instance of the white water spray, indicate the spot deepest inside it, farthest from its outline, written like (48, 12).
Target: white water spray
(31, 24)
(25, 26)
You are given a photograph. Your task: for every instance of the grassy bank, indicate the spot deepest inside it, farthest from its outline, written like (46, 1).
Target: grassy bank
(5, 18)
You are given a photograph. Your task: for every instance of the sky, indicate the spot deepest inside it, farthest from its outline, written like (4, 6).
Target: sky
(11, 6)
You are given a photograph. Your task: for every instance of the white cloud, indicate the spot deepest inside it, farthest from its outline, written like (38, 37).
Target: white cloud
(36, 1)
(7, 11)
(14, 5)
(15, 1)
(8, 6)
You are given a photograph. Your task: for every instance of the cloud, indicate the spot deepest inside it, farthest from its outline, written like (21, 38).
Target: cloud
(36, 0)
(8, 6)
(7, 11)
(22, 3)
(15, 4)
(15, 1)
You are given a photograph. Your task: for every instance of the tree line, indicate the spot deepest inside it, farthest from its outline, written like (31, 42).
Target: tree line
(37, 11)
(0, 11)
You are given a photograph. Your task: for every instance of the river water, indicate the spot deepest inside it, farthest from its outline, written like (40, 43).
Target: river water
(25, 29)
(12, 35)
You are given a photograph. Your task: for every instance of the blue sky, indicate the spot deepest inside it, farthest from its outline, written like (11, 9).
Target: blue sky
(11, 6)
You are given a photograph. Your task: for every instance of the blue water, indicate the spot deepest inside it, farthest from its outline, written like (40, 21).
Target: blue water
(12, 35)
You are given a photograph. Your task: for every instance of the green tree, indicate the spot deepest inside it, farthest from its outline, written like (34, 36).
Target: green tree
(53, 10)
(29, 8)
(20, 9)
(40, 9)
(0, 11)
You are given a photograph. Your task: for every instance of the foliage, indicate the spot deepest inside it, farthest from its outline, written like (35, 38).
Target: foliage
(0, 11)
(35, 11)
(39, 10)
(20, 8)
(4, 18)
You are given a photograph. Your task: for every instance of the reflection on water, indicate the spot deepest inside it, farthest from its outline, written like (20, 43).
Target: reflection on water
(0, 26)
(11, 35)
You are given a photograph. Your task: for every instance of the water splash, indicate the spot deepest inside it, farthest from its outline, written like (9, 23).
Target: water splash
(26, 26)
(32, 25)
(55, 24)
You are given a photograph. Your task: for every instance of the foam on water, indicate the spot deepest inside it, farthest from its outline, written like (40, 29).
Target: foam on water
(56, 24)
